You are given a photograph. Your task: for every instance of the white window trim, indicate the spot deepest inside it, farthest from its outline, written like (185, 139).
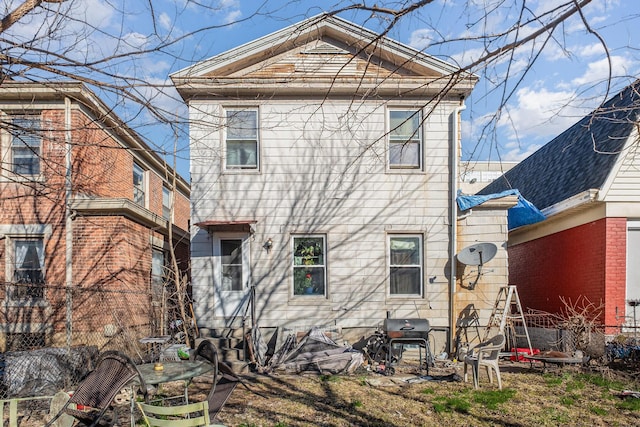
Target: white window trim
(9, 270)
(421, 161)
(324, 266)
(6, 149)
(171, 212)
(145, 184)
(236, 169)
(421, 265)
(246, 257)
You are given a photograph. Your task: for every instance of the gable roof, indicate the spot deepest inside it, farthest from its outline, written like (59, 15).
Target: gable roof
(326, 54)
(579, 159)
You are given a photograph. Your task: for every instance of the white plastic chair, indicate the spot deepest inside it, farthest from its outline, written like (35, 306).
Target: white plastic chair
(485, 354)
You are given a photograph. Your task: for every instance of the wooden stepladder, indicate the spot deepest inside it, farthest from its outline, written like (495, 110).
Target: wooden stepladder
(506, 315)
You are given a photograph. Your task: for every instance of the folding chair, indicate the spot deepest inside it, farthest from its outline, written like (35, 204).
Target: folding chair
(96, 392)
(189, 415)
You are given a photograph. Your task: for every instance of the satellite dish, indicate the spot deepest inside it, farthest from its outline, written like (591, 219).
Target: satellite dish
(477, 254)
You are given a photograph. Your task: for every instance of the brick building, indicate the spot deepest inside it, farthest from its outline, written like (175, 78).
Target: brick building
(587, 183)
(89, 218)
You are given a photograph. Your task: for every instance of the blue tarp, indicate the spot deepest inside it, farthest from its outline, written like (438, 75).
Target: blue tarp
(522, 213)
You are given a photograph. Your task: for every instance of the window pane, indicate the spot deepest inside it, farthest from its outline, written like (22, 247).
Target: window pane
(404, 154)
(308, 251)
(405, 251)
(166, 203)
(157, 274)
(138, 185)
(405, 280)
(25, 162)
(404, 125)
(242, 153)
(242, 124)
(231, 251)
(28, 274)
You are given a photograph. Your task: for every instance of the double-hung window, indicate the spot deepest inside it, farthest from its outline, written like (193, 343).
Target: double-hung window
(28, 269)
(158, 274)
(309, 265)
(26, 142)
(242, 139)
(405, 139)
(138, 185)
(405, 264)
(166, 203)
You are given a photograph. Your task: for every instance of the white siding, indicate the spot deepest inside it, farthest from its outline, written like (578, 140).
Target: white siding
(625, 184)
(323, 170)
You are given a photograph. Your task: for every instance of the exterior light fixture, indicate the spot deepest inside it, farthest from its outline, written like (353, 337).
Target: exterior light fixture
(268, 244)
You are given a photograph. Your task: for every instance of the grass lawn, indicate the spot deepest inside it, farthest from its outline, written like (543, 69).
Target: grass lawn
(568, 397)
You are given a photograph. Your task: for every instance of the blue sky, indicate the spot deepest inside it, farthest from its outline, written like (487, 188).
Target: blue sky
(535, 104)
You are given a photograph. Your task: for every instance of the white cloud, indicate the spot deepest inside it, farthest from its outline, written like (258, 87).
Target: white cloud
(421, 39)
(515, 152)
(165, 21)
(540, 113)
(232, 16)
(599, 70)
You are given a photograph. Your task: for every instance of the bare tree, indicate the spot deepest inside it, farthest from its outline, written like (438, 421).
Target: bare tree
(52, 40)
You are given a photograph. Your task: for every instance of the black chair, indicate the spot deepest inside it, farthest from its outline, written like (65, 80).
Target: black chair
(94, 396)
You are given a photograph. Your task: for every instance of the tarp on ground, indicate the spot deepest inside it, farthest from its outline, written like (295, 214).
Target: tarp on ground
(315, 352)
(523, 213)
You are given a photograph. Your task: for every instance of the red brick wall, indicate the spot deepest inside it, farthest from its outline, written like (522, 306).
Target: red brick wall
(110, 253)
(588, 261)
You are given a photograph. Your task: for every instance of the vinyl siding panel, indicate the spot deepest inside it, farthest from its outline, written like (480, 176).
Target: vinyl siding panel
(323, 170)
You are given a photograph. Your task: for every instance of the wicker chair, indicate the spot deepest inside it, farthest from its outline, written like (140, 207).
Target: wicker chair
(94, 396)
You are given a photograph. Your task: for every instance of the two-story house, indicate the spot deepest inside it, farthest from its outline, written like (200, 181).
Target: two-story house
(324, 165)
(89, 217)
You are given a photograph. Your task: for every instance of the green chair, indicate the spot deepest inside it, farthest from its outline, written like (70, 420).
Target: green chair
(190, 415)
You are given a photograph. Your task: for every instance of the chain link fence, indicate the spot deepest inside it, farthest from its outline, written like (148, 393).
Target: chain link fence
(51, 344)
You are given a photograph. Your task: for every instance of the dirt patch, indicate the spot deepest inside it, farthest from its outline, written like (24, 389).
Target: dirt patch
(571, 396)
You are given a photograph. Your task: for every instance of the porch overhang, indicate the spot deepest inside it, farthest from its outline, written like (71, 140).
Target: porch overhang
(214, 226)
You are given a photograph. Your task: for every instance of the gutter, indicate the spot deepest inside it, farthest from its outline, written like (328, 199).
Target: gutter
(453, 221)
(585, 197)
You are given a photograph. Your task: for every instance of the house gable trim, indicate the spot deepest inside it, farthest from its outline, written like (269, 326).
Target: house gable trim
(323, 25)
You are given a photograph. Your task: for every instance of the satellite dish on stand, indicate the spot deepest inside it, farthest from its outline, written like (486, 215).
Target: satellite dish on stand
(477, 254)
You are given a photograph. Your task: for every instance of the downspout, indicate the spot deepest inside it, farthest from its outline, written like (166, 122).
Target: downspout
(453, 247)
(68, 214)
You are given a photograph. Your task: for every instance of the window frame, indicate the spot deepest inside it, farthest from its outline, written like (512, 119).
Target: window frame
(158, 281)
(139, 189)
(240, 265)
(419, 265)
(308, 270)
(256, 139)
(35, 134)
(393, 140)
(166, 208)
(12, 296)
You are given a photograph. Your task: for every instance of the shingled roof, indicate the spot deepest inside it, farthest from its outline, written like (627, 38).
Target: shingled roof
(577, 160)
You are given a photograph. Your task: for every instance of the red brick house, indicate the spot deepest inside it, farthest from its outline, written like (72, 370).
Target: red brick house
(587, 183)
(89, 216)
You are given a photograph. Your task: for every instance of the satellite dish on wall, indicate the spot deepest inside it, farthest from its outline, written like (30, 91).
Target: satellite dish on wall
(477, 254)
